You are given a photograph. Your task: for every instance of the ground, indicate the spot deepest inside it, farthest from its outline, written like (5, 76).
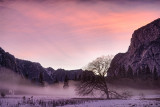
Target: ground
(50, 101)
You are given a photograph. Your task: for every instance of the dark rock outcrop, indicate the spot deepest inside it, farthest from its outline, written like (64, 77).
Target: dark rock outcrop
(33, 70)
(143, 55)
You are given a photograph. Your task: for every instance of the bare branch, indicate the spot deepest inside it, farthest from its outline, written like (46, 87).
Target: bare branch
(94, 78)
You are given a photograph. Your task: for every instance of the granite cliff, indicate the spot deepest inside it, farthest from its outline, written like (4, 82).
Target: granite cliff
(143, 55)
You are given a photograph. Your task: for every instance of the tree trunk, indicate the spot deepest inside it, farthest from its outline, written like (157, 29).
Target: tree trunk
(106, 91)
(106, 88)
(107, 94)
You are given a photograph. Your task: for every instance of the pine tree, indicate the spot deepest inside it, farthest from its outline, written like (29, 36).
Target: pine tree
(147, 72)
(41, 80)
(75, 77)
(143, 73)
(139, 73)
(56, 80)
(79, 77)
(155, 74)
(65, 82)
(119, 74)
(123, 72)
(135, 75)
(130, 72)
(26, 76)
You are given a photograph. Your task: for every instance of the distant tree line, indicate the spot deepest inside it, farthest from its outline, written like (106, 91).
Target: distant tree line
(142, 73)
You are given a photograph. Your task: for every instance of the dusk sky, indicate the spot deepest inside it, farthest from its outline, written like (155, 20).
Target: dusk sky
(71, 33)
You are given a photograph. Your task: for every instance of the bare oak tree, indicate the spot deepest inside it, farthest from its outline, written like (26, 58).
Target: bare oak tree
(94, 78)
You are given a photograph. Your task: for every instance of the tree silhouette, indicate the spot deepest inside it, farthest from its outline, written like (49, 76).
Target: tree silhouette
(135, 75)
(94, 78)
(56, 80)
(122, 72)
(75, 77)
(65, 82)
(130, 72)
(147, 72)
(3, 94)
(155, 74)
(26, 76)
(79, 77)
(41, 80)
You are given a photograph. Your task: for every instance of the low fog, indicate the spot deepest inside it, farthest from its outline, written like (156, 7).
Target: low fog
(10, 81)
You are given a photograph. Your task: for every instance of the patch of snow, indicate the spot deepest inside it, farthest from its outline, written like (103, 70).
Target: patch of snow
(119, 103)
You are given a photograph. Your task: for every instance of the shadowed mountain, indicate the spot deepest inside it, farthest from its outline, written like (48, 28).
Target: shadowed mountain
(34, 71)
(143, 56)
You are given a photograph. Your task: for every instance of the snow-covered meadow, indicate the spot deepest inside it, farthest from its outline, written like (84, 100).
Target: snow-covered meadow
(36, 101)
(119, 103)
(51, 101)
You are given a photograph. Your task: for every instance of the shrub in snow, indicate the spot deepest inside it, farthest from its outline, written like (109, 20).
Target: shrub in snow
(24, 97)
(3, 94)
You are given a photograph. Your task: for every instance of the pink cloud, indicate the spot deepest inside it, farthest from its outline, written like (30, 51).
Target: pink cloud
(70, 33)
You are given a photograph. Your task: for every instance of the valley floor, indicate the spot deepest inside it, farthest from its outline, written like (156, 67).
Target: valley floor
(49, 101)
(119, 103)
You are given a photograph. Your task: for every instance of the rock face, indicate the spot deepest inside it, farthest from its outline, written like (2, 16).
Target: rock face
(143, 55)
(33, 70)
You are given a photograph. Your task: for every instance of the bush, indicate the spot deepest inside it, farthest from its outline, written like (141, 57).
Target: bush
(24, 98)
(3, 94)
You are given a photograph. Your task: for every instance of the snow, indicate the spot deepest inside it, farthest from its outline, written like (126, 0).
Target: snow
(119, 103)
(49, 101)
